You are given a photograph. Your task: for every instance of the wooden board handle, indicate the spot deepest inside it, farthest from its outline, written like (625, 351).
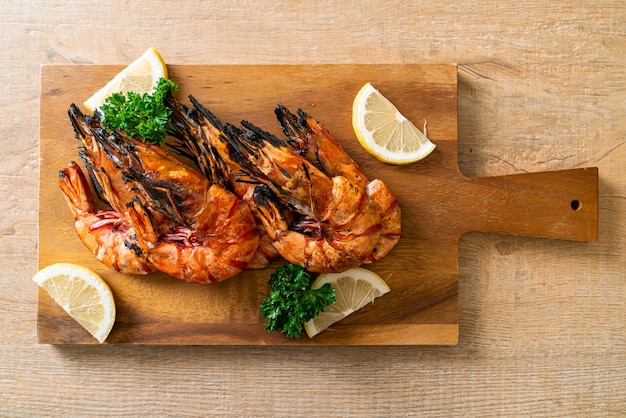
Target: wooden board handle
(554, 204)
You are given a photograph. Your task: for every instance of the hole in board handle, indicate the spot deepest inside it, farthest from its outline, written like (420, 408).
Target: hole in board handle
(576, 204)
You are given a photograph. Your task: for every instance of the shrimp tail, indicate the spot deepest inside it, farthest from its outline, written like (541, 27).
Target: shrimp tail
(75, 189)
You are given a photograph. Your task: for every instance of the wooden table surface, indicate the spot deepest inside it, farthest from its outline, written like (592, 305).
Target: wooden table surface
(542, 86)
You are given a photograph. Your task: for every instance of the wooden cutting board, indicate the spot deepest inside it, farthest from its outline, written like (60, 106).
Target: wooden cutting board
(438, 204)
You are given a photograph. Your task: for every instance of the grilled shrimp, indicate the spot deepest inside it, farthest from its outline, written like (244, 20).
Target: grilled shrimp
(188, 255)
(325, 224)
(322, 223)
(315, 143)
(189, 227)
(342, 238)
(105, 233)
(171, 188)
(202, 133)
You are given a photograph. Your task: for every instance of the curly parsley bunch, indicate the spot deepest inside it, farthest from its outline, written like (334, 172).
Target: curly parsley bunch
(292, 302)
(145, 116)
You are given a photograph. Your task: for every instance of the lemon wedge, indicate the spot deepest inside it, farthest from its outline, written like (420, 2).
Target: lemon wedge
(140, 77)
(83, 294)
(384, 132)
(354, 289)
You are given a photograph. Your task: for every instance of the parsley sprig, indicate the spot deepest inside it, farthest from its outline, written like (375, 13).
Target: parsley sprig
(292, 302)
(145, 116)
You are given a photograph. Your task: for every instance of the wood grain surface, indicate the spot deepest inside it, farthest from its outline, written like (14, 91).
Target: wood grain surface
(541, 87)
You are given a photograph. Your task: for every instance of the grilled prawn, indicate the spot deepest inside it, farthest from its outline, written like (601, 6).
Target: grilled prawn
(315, 143)
(336, 224)
(203, 134)
(189, 227)
(324, 223)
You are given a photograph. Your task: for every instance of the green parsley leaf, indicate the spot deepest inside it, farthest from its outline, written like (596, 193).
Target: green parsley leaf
(144, 116)
(292, 302)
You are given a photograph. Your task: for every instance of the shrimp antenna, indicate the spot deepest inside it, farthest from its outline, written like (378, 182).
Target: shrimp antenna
(214, 120)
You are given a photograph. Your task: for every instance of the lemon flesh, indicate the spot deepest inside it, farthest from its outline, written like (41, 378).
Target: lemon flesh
(83, 294)
(139, 77)
(354, 289)
(384, 132)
